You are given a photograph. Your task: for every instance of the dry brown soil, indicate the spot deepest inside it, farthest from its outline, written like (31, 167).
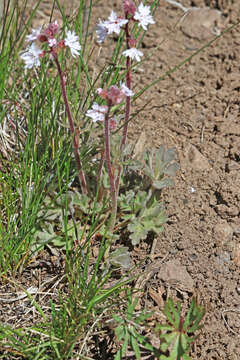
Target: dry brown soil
(195, 109)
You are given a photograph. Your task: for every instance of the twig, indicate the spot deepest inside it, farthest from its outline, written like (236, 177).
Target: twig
(226, 323)
(175, 3)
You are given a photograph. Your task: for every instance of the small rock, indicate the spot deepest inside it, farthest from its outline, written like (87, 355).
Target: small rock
(229, 127)
(226, 211)
(195, 159)
(236, 255)
(176, 275)
(193, 257)
(223, 233)
(223, 258)
(202, 23)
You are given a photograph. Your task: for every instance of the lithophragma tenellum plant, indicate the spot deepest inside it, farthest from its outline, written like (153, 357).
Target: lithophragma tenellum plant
(113, 95)
(138, 207)
(32, 57)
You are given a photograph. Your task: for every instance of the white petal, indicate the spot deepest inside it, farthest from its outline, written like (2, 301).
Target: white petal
(31, 56)
(72, 42)
(102, 32)
(33, 36)
(133, 53)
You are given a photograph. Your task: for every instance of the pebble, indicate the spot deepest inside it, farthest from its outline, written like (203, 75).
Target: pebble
(195, 159)
(223, 233)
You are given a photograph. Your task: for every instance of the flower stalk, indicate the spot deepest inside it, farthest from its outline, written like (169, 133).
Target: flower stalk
(109, 168)
(128, 83)
(81, 174)
(114, 95)
(127, 106)
(32, 56)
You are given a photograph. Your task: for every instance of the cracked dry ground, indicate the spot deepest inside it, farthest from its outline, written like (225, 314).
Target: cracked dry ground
(195, 109)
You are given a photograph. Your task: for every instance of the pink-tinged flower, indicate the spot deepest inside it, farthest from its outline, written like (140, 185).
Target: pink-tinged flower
(129, 7)
(133, 53)
(52, 42)
(114, 94)
(112, 123)
(34, 35)
(31, 56)
(143, 16)
(72, 42)
(97, 112)
(42, 38)
(101, 31)
(132, 43)
(52, 29)
(126, 90)
(114, 23)
(103, 93)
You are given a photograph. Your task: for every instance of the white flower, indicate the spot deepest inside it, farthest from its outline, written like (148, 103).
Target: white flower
(114, 23)
(72, 42)
(143, 16)
(97, 112)
(126, 90)
(52, 42)
(101, 31)
(31, 56)
(34, 35)
(133, 53)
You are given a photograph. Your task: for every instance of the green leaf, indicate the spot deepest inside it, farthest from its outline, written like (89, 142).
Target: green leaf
(160, 327)
(126, 342)
(172, 169)
(161, 184)
(169, 155)
(138, 232)
(185, 342)
(118, 319)
(120, 332)
(186, 357)
(135, 347)
(164, 346)
(121, 257)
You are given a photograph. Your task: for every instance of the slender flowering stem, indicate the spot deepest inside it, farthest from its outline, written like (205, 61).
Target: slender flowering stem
(100, 169)
(109, 168)
(99, 175)
(128, 83)
(127, 106)
(72, 128)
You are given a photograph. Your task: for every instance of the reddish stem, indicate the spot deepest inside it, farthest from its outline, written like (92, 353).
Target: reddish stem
(81, 174)
(128, 83)
(127, 106)
(100, 169)
(109, 167)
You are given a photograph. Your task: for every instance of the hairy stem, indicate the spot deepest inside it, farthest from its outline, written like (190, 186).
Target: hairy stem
(99, 176)
(127, 106)
(128, 83)
(109, 169)
(81, 174)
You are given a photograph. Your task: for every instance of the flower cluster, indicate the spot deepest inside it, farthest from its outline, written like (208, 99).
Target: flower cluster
(98, 112)
(113, 24)
(114, 96)
(31, 56)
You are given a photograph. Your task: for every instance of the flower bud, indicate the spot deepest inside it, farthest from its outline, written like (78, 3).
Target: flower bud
(129, 7)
